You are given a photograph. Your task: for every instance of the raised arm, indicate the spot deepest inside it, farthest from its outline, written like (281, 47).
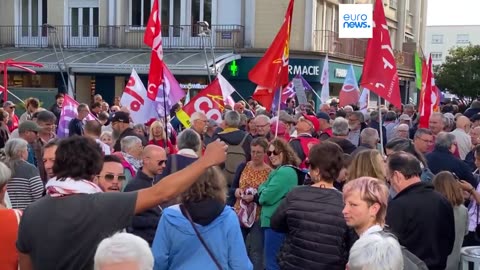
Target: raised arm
(174, 184)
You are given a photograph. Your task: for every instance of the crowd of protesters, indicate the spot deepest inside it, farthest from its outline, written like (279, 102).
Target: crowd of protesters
(333, 188)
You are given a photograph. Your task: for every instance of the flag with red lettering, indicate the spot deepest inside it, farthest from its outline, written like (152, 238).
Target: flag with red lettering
(69, 111)
(426, 97)
(271, 71)
(349, 94)
(153, 39)
(209, 101)
(135, 98)
(379, 68)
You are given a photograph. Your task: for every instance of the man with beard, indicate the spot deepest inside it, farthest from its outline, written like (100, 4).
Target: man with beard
(111, 178)
(121, 129)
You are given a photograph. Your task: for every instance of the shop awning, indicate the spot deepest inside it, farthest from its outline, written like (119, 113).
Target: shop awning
(119, 62)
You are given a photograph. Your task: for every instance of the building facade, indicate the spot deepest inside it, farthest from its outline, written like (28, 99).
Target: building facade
(440, 39)
(98, 42)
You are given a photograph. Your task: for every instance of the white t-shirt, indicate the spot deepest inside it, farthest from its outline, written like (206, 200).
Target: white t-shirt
(105, 148)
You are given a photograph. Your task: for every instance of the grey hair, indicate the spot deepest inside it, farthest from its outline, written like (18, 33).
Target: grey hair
(439, 114)
(422, 131)
(376, 251)
(402, 125)
(189, 139)
(369, 136)
(264, 117)
(123, 247)
(408, 106)
(5, 174)
(359, 115)
(444, 140)
(390, 116)
(13, 152)
(340, 127)
(232, 119)
(128, 142)
(197, 116)
(348, 108)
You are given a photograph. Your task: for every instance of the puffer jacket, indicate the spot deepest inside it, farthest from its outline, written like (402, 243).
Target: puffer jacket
(317, 236)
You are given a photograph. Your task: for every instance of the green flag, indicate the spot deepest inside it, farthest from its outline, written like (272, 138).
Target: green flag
(418, 71)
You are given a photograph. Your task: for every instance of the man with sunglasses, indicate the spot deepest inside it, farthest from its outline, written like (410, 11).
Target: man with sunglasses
(145, 224)
(112, 177)
(307, 126)
(9, 107)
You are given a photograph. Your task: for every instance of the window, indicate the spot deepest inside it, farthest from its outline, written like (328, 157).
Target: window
(393, 4)
(140, 12)
(463, 39)
(437, 39)
(33, 15)
(436, 56)
(84, 21)
(201, 12)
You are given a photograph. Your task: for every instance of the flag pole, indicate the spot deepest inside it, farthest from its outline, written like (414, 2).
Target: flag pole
(380, 130)
(278, 111)
(240, 95)
(165, 115)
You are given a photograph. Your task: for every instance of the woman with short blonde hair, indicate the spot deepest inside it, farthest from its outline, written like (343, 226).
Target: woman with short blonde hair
(157, 137)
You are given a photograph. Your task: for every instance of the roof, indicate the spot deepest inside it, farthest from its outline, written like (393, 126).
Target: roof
(120, 61)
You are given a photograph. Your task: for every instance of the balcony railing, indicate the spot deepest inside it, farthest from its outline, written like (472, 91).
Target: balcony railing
(327, 41)
(122, 36)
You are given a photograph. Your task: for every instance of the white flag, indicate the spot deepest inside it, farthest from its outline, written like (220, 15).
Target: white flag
(134, 97)
(227, 90)
(364, 99)
(325, 81)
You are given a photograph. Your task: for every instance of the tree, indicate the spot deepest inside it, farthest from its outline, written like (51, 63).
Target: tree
(460, 72)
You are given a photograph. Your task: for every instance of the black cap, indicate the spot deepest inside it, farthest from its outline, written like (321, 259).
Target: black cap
(475, 117)
(324, 116)
(120, 116)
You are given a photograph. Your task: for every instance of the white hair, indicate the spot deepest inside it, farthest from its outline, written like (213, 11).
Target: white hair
(348, 108)
(376, 251)
(197, 116)
(340, 127)
(123, 247)
(128, 142)
(369, 136)
(264, 117)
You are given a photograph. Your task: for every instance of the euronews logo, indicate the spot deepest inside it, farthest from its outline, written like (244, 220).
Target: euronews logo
(355, 21)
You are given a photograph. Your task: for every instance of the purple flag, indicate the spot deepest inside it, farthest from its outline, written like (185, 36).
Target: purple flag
(288, 91)
(69, 111)
(173, 92)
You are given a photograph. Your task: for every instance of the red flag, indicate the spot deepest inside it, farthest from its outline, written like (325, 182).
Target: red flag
(379, 69)
(210, 101)
(153, 39)
(271, 71)
(426, 106)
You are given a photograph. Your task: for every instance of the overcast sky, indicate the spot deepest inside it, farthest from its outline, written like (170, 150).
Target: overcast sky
(453, 12)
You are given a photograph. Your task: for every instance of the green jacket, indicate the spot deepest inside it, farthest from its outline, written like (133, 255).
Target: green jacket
(271, 192)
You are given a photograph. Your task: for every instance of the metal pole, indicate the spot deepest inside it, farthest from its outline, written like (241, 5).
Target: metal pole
(380, 130)
(165, 114)
(278, 110)
(212, 52)
(73, 93)
(202, 35)
(5, 80)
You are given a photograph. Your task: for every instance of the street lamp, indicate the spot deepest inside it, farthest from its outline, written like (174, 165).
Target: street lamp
(205, 31)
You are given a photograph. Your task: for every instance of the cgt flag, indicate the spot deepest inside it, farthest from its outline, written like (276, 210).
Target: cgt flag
(135, 98)
(379, 69)
(153, 39)
(271, 72)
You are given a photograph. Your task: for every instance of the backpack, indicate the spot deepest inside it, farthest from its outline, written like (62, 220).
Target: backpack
(235, 156)
(302, 175)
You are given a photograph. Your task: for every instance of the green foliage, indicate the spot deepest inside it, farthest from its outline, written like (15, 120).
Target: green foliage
(460, 73)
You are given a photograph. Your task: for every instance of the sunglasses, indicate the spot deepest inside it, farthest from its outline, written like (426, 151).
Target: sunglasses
(110, 176)
(161, 162)
(275, 153)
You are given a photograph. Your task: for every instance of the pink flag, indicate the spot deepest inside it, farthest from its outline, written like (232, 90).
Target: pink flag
(173, 92)
(69, 111)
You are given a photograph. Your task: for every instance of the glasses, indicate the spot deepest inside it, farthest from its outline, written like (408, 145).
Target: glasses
(161, 162)
(110, 177)
(426, 141)
(267, 124)
(275, 153)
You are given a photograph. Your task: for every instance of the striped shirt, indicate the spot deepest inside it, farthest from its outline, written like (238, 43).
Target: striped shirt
(25, 186)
